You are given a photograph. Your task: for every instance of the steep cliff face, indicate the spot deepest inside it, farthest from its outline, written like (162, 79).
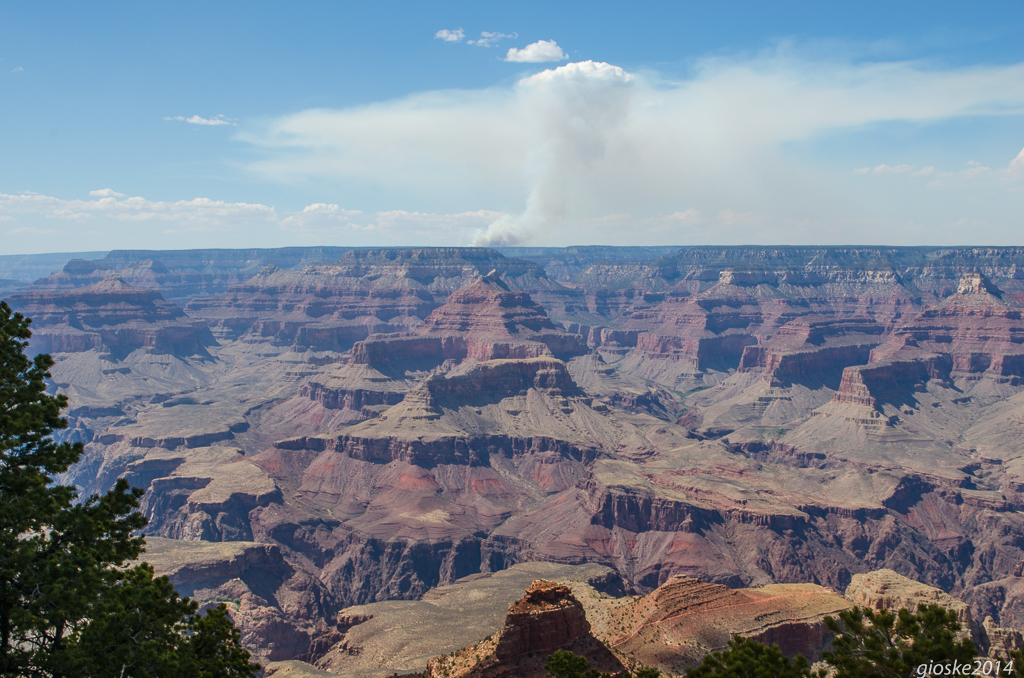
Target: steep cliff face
(972, 335)
(547, 618)
(110, 315)
(486, 320)
(329, 307)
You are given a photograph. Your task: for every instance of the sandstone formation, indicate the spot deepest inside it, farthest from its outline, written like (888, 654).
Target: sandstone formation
(110, 315)
(680, 622)
(547, 618)
(887, 590)
(279, 610)
(483, 321)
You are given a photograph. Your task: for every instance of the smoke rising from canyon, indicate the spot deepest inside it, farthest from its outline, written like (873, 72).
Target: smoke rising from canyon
(578, 109)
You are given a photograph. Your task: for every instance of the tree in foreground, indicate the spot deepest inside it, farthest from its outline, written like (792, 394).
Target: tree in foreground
(69, 605)
(882, 644)
(565, 664)
(748, 658)
(867, 644)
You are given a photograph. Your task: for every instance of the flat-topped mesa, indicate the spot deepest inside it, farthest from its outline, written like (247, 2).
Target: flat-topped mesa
(812, 349)
(887, 590)
(184, 275)
(973, 334)
(485, 321)
(504, 378)
(111, 315)
(547, 618)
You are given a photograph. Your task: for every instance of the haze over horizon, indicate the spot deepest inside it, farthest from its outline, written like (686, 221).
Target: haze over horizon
(136, 127)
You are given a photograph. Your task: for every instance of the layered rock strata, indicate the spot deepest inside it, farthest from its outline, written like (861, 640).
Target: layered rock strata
(546, 619)
(484, 321)
(111, 316)
(331, 306)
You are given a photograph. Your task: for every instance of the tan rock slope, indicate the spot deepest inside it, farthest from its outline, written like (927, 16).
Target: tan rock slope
(676, 625)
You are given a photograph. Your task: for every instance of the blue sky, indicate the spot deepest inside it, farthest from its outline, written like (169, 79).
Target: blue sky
(137, 125)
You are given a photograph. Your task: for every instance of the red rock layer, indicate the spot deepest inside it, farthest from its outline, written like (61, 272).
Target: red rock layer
(680, 621)
(546, 619)
(973, 334)
(331, 306)
(812, 348)
(109, 315)
(485, 321)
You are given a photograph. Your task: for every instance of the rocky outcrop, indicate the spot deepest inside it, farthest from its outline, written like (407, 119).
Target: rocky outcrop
(110, 315)
(281, 610)
(976, 333)
(484, 321)
(973, 334)
(546, 619)
(887, 590)
(812, 350)
(676, 625)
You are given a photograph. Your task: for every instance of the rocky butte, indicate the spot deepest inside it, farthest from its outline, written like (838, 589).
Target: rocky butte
(321, 431)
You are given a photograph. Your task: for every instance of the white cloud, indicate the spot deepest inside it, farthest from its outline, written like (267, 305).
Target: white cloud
(537, 52)
(109, 222)
(1017, 164)
(456, 35)
(197, 120)
(17, 69)
(884, 169)
(199, 213)
(569, 145)
(490, 39)
(106, 193)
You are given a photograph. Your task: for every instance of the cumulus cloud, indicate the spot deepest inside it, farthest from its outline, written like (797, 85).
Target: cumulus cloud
(561, 149)
(490, 39)
(17, 69)
(197, 120)
(447, 35)
(537, 52)
(106, 193)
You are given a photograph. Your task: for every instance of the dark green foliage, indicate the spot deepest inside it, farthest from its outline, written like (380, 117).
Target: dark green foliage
(748, 658)
(68, 607)
(882, 644)
(565, 664)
